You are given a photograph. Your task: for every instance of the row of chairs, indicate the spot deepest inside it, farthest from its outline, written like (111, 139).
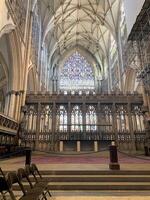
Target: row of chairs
(30, 181)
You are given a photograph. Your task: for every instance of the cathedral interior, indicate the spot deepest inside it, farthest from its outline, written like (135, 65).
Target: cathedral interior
(75, 80)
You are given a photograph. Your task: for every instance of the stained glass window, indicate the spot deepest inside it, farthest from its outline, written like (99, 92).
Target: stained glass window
(61, 119)
(91, 119)
(76, 119)
(77, 74)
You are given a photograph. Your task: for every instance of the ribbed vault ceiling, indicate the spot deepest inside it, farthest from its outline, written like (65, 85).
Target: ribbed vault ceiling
(88, 23)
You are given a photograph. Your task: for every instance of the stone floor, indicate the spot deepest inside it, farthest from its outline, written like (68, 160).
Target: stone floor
(95, 197)
(49, 162)
(91, 161)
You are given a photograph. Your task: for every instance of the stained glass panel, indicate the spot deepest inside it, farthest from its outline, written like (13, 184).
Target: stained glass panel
(77, 74)
(76, 119)
(91, 119)
(61, 119)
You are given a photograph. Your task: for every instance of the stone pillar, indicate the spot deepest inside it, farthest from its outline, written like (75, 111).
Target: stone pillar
(145, 100)
(56, 80)
(133, 149)
(78, 146)
(114, 123)
(84, 117)
(69, 118)
(109, 77)
(61, 146)
(53, 124)
(120, 61)
(95, 146)
(20, 104)
(53, 88)
(38, 126)
(54, 118)
(98, 117)
(27, 53)
(7, 104)
(12, 104)
(17, 105)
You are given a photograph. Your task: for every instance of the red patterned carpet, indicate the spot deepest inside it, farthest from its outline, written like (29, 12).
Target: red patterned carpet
(101, 158)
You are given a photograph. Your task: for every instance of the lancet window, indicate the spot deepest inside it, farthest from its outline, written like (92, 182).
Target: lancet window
(122, 118)
(76, 119)
(31, 117)
(46, 118)
(137, 118)
(91, 119)
(61, 119)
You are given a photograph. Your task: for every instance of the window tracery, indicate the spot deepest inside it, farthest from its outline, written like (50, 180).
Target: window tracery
(61, 118)
(91, 119)
(77, 74)
(76, 119)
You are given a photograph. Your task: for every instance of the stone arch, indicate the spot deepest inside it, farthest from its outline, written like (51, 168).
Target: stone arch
(6, 29)
(3, 82)
(32, 84)
(16, 82)
(4, 66)
(10, 48)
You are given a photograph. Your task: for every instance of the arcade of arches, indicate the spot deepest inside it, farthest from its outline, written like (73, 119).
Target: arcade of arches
(75, 74)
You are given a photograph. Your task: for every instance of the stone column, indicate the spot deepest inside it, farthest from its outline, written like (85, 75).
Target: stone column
(61, 146)
(27, 53)
(120, 61)
(17, 105)
(38, 126)
(78, 146)
(53, 124)
(7, 104)
(109, 77)
(53, 88)
(133, 149)
(114, 122)
(95, 146)
(12, 103)
(84, 117)
(145, 100)
(54, 118)
(56, 80)
(19, 117)
(98, 117)
(69, 118)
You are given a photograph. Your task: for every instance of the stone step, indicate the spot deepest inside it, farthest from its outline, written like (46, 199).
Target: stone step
(99, 179)
(95, 172)
(96, 186)
(99, 186)
(95, 178)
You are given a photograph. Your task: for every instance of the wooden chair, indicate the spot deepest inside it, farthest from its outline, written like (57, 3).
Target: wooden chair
(42, 182)
(32, 191)
(12, 179)
(5, 187)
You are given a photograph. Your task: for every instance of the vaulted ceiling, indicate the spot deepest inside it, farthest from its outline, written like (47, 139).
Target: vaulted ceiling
(85, 23)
